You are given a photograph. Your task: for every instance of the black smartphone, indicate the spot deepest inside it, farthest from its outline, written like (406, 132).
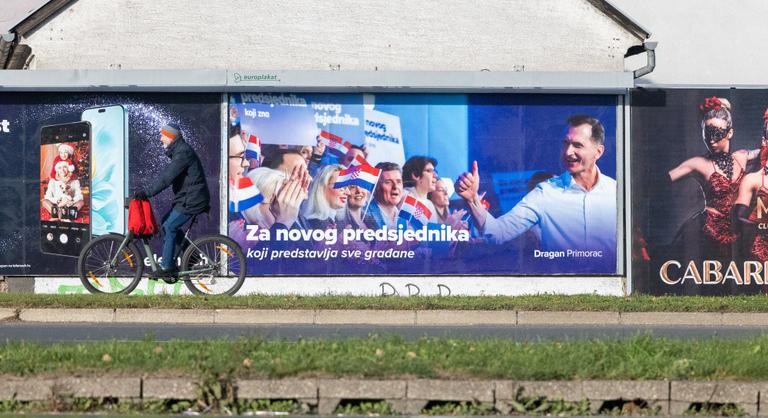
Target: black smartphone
(65, 188)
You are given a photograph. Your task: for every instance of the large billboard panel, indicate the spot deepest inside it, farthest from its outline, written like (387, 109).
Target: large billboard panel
(67, 161)
(380, 195)
(699, 194)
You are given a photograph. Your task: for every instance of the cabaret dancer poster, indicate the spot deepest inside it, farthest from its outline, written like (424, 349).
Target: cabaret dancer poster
(364, 184)
(699, 192)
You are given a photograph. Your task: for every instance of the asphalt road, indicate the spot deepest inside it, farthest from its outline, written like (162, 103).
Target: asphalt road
(43, 332)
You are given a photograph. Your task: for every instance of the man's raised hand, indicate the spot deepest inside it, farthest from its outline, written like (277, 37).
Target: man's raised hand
(468, 183)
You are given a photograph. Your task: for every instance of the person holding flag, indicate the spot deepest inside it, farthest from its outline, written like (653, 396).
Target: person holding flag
(420, 179)
(361, 179)
(355, 215)
(237, 167)
(238, 164)
(325, 200)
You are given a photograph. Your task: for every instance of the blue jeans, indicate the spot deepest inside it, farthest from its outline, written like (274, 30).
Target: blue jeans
(172, 223)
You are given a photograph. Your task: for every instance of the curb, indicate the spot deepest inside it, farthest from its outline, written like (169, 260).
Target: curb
(409, 396)
(379, 317)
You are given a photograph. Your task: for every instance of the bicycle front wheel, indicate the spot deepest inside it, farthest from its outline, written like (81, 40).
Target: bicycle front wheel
(104, 269)
(213, 265)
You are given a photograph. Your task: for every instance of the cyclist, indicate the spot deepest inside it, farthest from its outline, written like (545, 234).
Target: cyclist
(191, 197)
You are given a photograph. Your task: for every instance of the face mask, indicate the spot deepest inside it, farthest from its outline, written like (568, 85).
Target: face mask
(713, 134)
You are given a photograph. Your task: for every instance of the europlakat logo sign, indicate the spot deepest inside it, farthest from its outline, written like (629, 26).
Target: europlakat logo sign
(259, 77)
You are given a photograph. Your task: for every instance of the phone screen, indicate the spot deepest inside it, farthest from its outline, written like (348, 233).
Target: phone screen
(109, 131)
(65, 190)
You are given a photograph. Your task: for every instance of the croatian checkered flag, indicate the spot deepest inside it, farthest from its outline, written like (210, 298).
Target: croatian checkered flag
(253, 148)
(245, 196)
(363, 176)
(336, 145)
(415, 210)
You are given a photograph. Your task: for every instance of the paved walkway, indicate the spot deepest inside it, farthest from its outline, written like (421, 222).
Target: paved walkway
(380, 317)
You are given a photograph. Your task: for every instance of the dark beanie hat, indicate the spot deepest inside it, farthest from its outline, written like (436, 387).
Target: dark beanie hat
(171, 131)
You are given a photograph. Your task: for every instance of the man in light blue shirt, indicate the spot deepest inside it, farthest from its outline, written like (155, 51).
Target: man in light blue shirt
(576, 211)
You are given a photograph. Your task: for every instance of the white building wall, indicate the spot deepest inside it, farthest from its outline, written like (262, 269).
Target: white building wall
(498, 35)
(703, 42)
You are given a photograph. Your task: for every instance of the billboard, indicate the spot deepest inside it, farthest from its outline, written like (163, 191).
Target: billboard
(68, 160)
(366, 184)
(699, 191)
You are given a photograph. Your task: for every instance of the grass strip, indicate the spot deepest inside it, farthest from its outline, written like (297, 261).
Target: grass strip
(746, 304)
(639, 357)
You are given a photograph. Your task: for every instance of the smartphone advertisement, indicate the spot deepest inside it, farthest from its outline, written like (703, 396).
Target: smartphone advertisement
(69, 161)
(109, 127)
(65, 203)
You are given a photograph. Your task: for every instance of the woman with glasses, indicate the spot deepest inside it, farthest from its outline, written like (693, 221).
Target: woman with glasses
(237, 166)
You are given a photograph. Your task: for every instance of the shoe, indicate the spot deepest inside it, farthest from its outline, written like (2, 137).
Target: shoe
(170, 276)
(171, 272)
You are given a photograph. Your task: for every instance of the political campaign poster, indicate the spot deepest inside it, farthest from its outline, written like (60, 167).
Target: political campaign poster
(426, 184)
(68, 161)
(699, 196)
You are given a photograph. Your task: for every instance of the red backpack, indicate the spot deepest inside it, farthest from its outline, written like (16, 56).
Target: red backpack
(141, 221)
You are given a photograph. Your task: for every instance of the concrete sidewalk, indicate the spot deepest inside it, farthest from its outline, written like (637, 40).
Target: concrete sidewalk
(380, 317)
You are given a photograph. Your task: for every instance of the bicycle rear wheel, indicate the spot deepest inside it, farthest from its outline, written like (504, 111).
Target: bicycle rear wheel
(103, 270)
(213, 265)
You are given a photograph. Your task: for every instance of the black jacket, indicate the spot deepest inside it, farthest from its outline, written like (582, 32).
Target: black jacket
(185, 174)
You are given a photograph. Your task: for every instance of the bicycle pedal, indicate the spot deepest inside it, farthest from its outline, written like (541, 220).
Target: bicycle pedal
(169, 280)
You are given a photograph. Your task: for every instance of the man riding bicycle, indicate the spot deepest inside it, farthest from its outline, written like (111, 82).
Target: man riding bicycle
(191, 197)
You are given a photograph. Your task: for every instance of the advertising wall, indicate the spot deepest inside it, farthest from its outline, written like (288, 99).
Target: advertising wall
(699, 191)
(325, 184)
(68, 160)
(363, 184)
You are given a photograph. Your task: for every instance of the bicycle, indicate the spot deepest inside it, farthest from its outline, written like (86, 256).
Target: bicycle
(213, 264)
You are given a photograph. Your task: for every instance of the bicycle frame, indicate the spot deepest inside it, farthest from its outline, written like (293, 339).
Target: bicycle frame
(147, 251)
